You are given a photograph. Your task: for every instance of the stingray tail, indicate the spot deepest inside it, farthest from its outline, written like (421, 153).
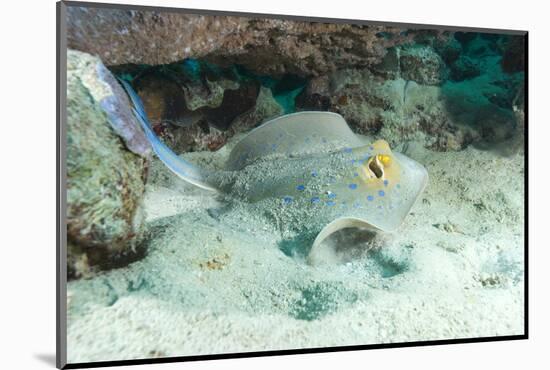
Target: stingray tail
(185, 170)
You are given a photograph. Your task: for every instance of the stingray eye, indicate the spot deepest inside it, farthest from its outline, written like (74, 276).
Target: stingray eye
(376, 166)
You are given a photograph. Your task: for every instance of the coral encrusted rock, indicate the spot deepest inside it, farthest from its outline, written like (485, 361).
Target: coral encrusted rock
(262, 45)
(107, 158)
(421, 64)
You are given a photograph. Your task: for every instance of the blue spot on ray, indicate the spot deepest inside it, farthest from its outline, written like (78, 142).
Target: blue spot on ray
(314, 174)
(386, 182)
(370, 198)
(330, 203)
(352, 186)
(381, 193)
(287, 200)
(331, 195)
(355, 174)
(315, 200)
(300, 187)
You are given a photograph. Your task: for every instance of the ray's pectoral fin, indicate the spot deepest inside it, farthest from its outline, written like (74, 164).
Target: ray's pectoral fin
(317, 254)
(380, 195)
(294, 134)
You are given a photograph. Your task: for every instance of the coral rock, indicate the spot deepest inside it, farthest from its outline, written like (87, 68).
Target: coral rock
(164, 101)
(105, 180)
(421, 64)
(266, 108)
(464, 68)
(266, 46)
(234, 103)
(202, 136)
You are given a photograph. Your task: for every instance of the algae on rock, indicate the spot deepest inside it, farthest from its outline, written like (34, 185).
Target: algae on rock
(105, 180)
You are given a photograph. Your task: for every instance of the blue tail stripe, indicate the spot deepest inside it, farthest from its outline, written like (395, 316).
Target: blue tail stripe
(179, 166)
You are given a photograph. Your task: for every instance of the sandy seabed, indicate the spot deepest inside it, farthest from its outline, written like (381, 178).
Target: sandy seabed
(215, 279)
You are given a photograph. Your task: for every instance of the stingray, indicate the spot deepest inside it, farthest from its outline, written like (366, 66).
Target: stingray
(312, 169)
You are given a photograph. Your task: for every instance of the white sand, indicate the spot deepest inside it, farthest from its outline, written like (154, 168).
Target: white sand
(215, 279)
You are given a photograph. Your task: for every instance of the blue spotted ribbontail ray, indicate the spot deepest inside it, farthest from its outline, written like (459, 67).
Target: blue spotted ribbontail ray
(309, 168)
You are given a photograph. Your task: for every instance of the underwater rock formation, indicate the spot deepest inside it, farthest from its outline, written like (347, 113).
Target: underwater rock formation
(398, 110)
(447, 90)
(202, 136)
(266, 107)
(235, 102)
(165, 100)
(445, 93)
(201, 114)
(107, 160)
(421, 64)
(200, 76)
(195, 105)
(171, 103)
(266, 46)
